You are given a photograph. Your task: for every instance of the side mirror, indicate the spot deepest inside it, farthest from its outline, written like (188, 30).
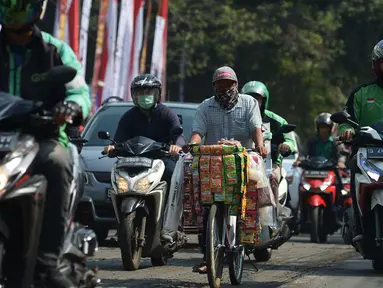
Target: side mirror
(176, 131)
(287, 128)
(60, 74)
(103, 135)
(340, 117)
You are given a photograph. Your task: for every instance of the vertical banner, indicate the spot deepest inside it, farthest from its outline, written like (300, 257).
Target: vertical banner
(74, 25)
(61, 23)
(99, 46)
(107, 70)
(146, 36)
(123, 47)
(83, 48)
(158, 66)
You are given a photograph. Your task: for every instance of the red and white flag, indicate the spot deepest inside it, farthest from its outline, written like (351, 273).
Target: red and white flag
(107, 66)
(67, 22)
(158, 66)
(123, 47)
(83, 46)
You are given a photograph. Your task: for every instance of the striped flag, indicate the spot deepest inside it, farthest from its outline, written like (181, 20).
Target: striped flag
(158, 66)
(82, 53)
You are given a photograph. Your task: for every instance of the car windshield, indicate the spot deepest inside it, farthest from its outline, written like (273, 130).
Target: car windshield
(108, 118)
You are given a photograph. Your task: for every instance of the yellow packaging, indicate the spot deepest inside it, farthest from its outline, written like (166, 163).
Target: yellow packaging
(246, 238)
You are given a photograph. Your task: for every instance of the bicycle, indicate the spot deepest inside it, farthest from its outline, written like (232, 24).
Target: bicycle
(226, 229)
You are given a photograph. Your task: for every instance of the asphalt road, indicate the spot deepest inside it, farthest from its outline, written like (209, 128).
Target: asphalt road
(297, 263)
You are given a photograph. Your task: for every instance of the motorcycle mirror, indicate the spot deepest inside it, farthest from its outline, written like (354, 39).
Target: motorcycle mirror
(287, 128)
(60, 74)
(177, 131)
(340, 117)
(103, 135)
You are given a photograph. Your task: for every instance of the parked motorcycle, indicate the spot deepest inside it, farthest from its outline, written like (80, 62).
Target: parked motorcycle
(22, 195)
(368, 144)
(139, 198)
(276, 230)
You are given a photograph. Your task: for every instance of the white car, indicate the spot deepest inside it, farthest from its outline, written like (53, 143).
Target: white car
(293, 175)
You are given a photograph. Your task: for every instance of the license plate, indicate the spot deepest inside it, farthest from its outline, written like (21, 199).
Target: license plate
(7, 140)
(135, 162)
(375, 152)
(108, 193)
(315, 174)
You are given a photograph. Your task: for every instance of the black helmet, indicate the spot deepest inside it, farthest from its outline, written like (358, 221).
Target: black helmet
(112, 99)
(323, 118)
(149, 85)
(377, 57)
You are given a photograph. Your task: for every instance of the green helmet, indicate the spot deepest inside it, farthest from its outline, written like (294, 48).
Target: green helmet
(256, 87)
(21, 12)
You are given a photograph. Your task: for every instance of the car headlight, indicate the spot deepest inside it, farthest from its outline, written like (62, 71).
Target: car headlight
(372, 171)
(326, 183)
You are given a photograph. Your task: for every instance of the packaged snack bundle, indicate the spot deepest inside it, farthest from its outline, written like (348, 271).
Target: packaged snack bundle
(216, 150)
(216, 172)
(229, 194)
(204, 170)
(230, 169)
(205, 149)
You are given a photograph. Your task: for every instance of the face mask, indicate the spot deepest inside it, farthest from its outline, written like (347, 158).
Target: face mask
(145, 102)
(227, 99)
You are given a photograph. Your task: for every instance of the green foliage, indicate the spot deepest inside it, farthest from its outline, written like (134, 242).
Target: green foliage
(311, 54)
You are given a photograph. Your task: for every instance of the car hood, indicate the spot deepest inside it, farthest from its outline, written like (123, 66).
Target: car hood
(89, 159)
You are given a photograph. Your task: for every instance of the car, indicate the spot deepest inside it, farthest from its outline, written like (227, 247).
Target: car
(95, 208)
(293, 175)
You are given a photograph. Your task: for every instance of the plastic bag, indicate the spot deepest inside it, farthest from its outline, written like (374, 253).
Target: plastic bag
(174, 208)
(257, 173)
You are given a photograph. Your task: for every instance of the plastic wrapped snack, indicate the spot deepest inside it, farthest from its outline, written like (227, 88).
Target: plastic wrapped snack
(206, 194)
(228, 149)
(216, 150)
(195, 150)
(251, 201)
(251, 221)
(246, 238)
(229, 194)
(230, 170)
(216, 172)
(204, 164)
(188, 165)
(219, 194)
(257, 173)
(205, 149)
(195, 164)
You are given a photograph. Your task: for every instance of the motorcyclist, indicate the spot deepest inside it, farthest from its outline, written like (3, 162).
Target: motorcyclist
(150, 118)
(323, 145)
(365, 108)
(259, 91)
(25, 52)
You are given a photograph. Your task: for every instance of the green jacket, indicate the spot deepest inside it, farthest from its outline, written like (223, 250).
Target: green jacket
(21, 65)
(365, 106)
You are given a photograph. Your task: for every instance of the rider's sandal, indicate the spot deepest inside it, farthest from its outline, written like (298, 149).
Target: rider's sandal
(203, 268)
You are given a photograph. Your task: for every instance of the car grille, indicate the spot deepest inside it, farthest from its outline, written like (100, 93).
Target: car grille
(103, 177)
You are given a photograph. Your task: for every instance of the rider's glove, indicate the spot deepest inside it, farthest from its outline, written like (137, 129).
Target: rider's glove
(67, 112)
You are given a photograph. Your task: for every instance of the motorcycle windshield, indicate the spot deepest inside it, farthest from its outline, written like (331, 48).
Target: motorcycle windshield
(141, 145)
(11, 106)
(318, 163)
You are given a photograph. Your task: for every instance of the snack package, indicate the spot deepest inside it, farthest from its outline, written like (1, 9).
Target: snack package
(205, 149)
(206, 194)
(219, 194)
(197, 207)
(216, 172)
(188, 165)
(195, 150)
(251, 221)
(251, 187)
(237, 198)
(216, 150)
(234, 210)
(228, 149)
(188, 218)
(246, 238)
(204, 164)
(230, 170)
(251, 201)
(229, 194)
(204, 178)
(195, 164)
(200, 222)
(258, 235)
(240, 165)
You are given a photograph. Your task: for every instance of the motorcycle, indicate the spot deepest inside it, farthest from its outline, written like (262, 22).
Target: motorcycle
(347, 204)
(368, 143)
(139, 197)
(22, 195)
(317, 196)
(276, 230)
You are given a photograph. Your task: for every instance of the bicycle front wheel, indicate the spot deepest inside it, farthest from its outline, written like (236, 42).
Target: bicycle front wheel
(215, 245)
(236, 259)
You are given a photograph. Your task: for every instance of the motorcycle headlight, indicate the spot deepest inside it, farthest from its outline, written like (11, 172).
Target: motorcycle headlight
(370, 169)
(326, 183)
(122, 184)
(142, 185)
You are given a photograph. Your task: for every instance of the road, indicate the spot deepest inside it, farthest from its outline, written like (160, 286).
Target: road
(298, 263)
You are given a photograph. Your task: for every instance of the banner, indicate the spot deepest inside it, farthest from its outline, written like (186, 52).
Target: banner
(99, 48)
(108, 53)
(74, 25)
(82, 53)
(158, 66)
(123, 47)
